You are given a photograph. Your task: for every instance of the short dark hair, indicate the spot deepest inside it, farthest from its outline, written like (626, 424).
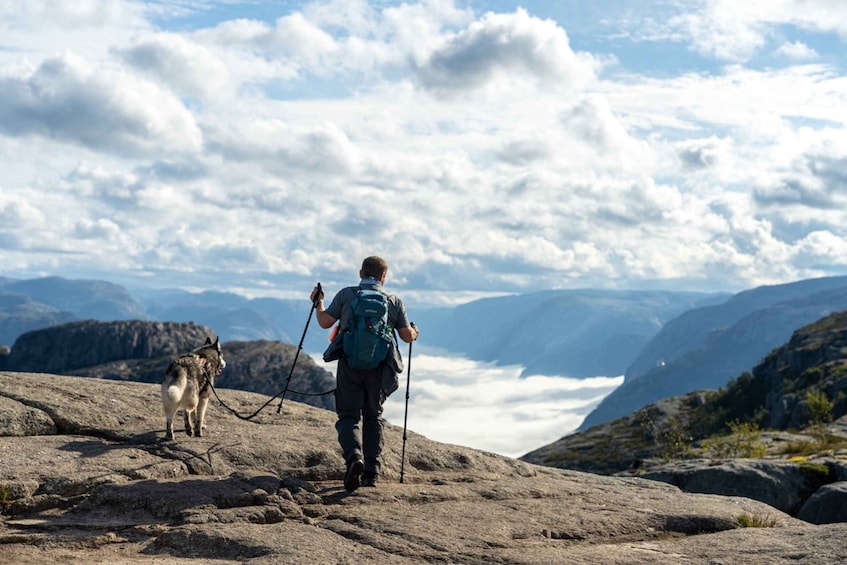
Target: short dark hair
(374, 267)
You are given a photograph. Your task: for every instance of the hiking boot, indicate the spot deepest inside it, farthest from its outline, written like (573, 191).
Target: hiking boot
(354, 473)
(368, 479)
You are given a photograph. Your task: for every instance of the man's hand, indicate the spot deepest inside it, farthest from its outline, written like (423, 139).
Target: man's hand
(317, 294)
(417, 331)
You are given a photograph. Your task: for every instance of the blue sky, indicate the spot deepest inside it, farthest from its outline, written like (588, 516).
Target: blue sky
(482, 147)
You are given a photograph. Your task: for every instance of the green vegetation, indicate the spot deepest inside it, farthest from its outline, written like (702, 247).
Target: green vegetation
(744, 440)
(819, 409)
(741, 400)
(823, 442)
(818, 474)
(4, 498)
(670, 438)
(818, 406)
(751, 521)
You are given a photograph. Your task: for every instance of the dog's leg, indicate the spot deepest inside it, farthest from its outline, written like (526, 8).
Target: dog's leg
(169, 427)
(188, 414)
(201, 416)
(170, 408)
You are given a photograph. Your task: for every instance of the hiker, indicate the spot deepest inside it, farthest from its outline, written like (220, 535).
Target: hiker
(360, 393)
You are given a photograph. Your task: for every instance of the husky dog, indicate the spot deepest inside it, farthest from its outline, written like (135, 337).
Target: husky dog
(188, 383)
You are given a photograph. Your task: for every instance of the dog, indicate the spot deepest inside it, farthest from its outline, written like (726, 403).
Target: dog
(188, 384)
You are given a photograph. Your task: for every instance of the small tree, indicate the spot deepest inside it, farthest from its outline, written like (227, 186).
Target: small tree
(673, 440)
(819, 407)
(744, 440)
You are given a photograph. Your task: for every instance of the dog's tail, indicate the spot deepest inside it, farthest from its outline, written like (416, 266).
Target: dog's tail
(173, 384)
(174, 393)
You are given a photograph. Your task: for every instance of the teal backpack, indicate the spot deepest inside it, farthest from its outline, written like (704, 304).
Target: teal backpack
(367, 339)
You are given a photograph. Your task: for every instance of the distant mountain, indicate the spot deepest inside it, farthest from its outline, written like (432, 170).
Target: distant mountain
(141, 350)
(578, 333)
(770, 395)
(237, 317)
(39, 303)
(705, 347)
(86, 299)
(19, 313)
(574, 333)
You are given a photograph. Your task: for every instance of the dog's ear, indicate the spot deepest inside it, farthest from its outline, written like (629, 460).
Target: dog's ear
(208, 341)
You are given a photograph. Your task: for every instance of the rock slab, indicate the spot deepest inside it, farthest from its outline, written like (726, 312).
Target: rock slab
(101, 486)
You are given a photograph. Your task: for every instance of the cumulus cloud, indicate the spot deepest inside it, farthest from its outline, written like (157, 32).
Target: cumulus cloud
(499, 45)
(796, 51)
(104, 109)
(819, 250)
(320, 149)
(698, 154)
(479, 152)
(735, 31)
(92, 13)
(101, 228)
(815, 181)
(724, 29)
(191, 69)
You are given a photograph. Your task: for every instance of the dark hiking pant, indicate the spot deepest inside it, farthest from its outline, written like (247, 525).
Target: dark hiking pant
(358, 403)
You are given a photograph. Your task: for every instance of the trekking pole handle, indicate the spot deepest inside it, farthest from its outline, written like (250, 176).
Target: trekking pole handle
(318, 295)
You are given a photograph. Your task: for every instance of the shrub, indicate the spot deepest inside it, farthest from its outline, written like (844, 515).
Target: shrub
(744, 440)
(672, 440)
(818, 406)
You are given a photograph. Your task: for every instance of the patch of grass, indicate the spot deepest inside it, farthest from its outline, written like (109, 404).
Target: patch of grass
(822, 442)
(817, 474)
(752, 521)
(4, 498)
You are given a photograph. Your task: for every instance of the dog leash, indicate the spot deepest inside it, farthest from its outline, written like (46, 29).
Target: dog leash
(263, 406)
(286, 390)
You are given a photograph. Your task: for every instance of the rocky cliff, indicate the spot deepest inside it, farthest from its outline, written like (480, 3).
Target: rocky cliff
(141, 350)
(706, 347)
(86, 478)
(768, 434)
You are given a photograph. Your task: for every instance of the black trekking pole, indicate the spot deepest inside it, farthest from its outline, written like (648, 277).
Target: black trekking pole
(299, 347)
(406, 415)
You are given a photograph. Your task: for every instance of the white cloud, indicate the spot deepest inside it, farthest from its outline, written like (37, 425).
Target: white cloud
(101, 228)
(796, 51)
(735, 31)
(103, 109)
(725, 30)
(317, 150)
(325, 133)
(190, 69)
(480, 405)
(821, 249)
(500, 46)
(698, 154)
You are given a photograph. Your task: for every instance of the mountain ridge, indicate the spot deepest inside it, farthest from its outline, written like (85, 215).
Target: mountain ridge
(705, 347)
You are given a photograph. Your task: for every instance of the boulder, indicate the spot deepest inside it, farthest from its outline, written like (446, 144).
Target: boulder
(781, 484)
(828, 505)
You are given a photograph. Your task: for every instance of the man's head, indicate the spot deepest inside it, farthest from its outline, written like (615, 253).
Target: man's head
(374, 267)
